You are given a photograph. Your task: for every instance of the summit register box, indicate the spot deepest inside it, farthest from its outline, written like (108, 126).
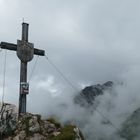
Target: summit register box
(24, 87)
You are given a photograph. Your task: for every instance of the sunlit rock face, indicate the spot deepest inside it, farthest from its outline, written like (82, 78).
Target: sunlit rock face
(32, 127)
(88, 94)
(8, 118)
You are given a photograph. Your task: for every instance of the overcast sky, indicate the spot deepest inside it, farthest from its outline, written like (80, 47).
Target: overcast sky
(91, 41)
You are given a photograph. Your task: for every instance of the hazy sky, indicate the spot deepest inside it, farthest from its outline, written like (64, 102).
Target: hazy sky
(91, 41)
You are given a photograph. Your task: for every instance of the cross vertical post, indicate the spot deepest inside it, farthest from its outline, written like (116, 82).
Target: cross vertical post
(23, 72)
(23, 78)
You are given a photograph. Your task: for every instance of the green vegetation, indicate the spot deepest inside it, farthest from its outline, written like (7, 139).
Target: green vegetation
(52, 120)
(67, 133)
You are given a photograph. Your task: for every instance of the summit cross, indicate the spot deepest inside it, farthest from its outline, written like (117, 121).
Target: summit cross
(25, 52)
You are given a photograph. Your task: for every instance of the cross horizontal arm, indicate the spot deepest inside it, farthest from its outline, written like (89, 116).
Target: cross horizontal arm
(39, 52)
(13, 47)
(8, 46)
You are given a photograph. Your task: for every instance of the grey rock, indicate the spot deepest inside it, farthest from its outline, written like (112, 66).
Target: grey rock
(88, 94)
(51, 128)
(37, 136)
(20, 136)
(77, 131)
(34, 126)
(8, 118)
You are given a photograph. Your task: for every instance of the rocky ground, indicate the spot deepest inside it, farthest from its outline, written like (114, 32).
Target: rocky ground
(33, 127)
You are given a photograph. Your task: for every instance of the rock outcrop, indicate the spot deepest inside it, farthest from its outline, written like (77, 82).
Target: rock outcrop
(88, 94)
(33, 127)
(8, 118)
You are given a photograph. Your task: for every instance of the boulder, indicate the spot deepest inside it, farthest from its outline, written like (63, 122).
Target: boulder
(8, 118)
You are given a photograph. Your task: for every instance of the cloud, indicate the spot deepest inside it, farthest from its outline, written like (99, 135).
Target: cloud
(91, 42)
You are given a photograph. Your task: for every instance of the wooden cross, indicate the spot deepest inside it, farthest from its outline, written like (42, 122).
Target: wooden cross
(25, 52)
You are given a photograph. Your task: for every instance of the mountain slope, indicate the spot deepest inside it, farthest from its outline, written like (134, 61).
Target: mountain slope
(131, 127)
(33, 127)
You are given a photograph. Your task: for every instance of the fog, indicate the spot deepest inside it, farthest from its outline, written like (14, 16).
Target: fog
(112, 107)
(90, 42)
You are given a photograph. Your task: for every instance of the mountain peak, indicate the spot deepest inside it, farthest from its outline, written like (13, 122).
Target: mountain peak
(89, 93)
